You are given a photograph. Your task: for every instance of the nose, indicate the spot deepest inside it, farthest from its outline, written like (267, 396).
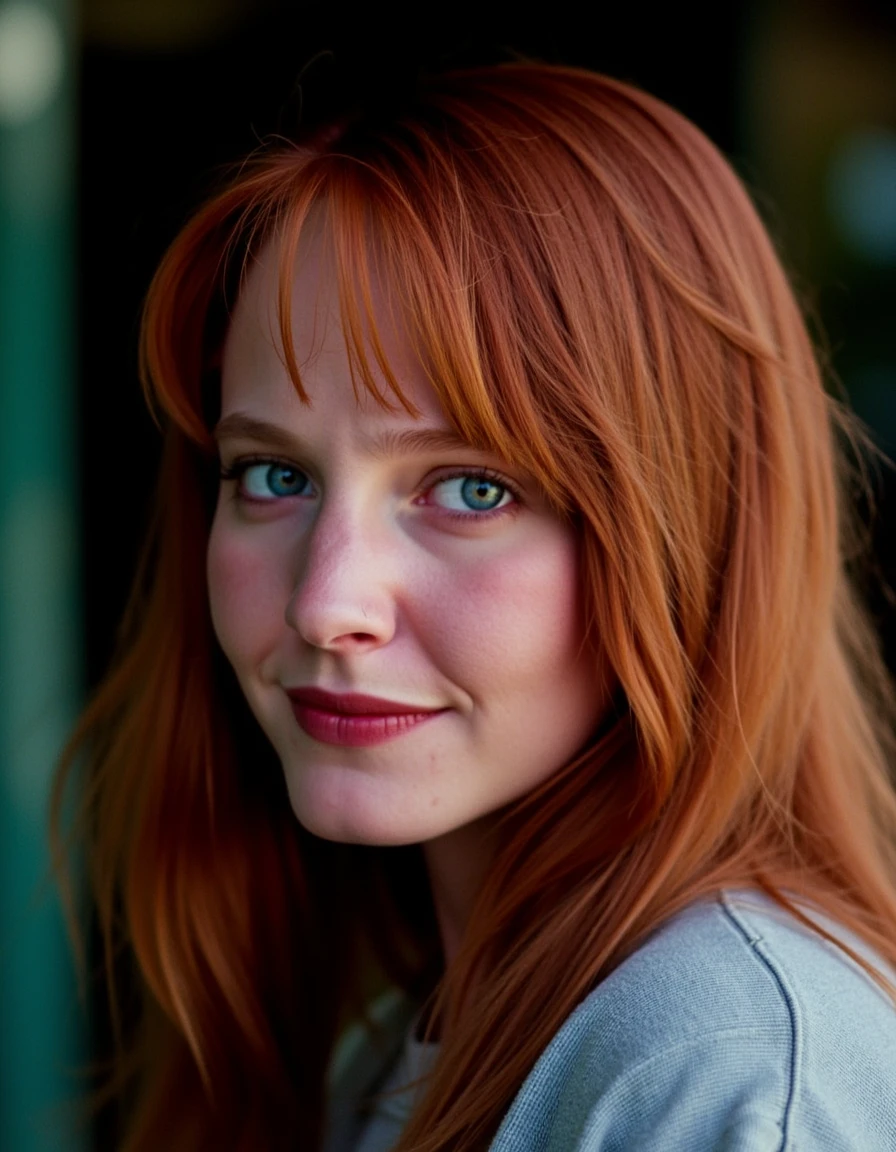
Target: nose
(343, 597)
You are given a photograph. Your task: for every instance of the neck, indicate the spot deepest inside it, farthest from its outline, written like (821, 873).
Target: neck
(457, 863)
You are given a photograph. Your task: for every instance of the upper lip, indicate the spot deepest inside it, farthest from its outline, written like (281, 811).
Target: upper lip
(354, 703)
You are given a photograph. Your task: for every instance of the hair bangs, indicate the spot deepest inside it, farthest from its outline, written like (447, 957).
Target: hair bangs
(401, 254)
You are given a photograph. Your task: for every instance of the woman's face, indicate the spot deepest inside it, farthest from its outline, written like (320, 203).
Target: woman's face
(362, 553)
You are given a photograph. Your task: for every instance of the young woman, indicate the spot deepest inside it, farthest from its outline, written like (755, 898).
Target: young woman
(493, 662)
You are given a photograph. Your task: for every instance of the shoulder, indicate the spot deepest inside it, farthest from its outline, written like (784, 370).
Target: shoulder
(733, 1026)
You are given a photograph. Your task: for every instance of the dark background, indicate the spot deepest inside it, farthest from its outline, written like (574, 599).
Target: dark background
(801, 96)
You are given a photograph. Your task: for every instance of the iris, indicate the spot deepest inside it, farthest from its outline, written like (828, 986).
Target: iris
(264, 481)
(481, 494)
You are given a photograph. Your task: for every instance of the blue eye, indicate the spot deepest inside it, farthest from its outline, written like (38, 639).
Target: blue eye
(268, 480)
(472, 493)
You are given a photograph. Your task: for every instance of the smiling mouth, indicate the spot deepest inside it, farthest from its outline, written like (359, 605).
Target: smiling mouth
(352, 720)
(356, 729)
(353, 703)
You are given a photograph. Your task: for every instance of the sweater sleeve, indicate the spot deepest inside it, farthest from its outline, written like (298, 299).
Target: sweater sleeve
(723, 1092)
(733, 1029)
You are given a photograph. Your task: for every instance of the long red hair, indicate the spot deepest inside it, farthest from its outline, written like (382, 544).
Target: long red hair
(594, 296)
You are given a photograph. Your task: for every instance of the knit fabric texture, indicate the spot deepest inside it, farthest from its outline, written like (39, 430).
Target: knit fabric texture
(733, 1028)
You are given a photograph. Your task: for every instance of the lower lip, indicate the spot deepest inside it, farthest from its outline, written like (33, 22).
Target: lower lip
(356, 731)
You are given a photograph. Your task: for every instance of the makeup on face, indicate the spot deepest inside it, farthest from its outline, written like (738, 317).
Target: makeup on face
(401, 608)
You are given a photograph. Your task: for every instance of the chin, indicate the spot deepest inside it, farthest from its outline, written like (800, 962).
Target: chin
(353, 815)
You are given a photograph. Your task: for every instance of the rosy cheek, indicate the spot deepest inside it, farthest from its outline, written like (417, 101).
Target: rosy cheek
(241, 598)
(516, 610)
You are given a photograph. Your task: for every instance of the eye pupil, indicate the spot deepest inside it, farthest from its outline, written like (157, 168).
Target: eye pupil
(480, 493)
(284, 481)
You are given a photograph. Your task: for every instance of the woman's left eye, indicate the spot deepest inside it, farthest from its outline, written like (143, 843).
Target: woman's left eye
(472, 492)
(267, 480)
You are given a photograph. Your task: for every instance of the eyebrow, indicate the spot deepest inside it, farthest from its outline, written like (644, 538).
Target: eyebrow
(387, 444)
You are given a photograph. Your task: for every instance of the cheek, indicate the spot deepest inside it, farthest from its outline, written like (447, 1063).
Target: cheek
(242, 593)
(513, 616)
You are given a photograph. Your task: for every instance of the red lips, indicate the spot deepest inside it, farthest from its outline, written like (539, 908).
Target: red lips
(352, 703)
(353, 720)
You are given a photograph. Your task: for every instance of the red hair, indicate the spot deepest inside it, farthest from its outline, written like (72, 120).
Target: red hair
(594, 296)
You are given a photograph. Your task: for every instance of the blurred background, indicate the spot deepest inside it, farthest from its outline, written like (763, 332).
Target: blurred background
(115, 118)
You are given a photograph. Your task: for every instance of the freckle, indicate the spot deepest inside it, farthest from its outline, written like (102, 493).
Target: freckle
(434, 802)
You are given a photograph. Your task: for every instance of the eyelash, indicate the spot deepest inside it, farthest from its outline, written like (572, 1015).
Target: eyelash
(238, 469)
(480, 474)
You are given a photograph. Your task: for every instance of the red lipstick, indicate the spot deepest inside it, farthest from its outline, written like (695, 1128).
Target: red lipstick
(353, 720)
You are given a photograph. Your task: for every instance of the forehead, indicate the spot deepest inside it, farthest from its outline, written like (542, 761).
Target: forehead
(256, 357)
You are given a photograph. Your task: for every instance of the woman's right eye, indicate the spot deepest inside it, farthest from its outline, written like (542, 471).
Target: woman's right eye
(267, 480)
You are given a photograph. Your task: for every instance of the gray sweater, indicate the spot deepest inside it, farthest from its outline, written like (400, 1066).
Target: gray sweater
(732, 1029)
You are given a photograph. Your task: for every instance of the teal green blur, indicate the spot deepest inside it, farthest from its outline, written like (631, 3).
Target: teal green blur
(42, 1022)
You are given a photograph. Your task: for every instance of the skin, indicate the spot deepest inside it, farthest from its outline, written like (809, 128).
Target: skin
(364, 570)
